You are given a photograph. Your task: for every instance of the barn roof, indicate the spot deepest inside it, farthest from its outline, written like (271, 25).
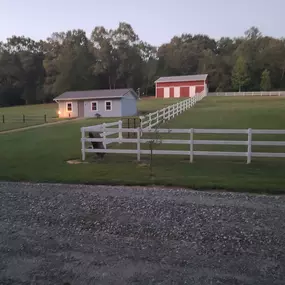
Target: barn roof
(95, 94)
(196, 77)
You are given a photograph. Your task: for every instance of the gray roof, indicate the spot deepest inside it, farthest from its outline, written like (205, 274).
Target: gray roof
(95, 94)
(197, 77)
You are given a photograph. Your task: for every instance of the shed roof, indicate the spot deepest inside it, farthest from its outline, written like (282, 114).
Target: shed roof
(196, 77)
(95, 94)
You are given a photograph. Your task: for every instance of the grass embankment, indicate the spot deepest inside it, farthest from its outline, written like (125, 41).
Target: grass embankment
(41, 154)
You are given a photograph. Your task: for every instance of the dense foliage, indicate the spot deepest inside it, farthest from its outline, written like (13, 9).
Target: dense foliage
(35, 72)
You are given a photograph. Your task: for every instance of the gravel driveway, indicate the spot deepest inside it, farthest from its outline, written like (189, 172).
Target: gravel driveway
(52, 234)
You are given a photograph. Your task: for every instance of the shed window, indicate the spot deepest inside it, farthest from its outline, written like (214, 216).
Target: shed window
(108, 105)
(94, 106)
(69, 107)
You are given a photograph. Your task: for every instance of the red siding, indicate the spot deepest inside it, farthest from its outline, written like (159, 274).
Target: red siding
(184, 87)
(184, 91)
(199, 89)
(185, 83)
(159, 92)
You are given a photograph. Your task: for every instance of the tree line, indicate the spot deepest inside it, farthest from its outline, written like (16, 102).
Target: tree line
(37, 71)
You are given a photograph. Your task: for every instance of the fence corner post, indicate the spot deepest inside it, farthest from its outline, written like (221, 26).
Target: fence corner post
(83, 143)
(120, 137)
(249, 144)
(191, 145)
(138, 144)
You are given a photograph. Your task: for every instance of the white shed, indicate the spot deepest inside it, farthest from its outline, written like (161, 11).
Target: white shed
(92, 103)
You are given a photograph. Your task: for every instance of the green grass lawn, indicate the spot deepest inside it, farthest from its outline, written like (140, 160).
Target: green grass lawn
(40, 155)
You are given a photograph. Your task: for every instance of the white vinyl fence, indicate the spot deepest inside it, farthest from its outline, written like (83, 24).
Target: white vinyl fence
(255, 93)
(153, 119)
(190, 141)
(147, 121)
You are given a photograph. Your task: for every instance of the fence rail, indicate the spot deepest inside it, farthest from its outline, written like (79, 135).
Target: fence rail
(7, 119)
(254, 93)
(139, 141)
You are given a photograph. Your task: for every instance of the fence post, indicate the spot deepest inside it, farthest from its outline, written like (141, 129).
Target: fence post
(141, 124)
(249, 146)
(157, 117)
(104, 135)
(120, 132)
(128, 127)
(83, 143)
(24, 119)
(149, 120)
(3, 119)
(163, 115)
(45, 118)
(191, 145)
(135, 126)
(138, 145)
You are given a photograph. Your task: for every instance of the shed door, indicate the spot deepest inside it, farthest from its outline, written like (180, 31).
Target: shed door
(192, 91)
(176, 92)
(166, 92)
(80, 108)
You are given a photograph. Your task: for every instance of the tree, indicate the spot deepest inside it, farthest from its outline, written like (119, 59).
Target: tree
(253, 33)
(28, 60)
(240, 74)
(37, 71)
(68, 63)
(265, 84)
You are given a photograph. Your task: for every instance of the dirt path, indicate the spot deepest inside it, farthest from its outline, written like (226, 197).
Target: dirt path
(51, 234)
(38, 126)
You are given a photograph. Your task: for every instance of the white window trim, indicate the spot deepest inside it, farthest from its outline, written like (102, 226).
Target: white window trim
(110, 105)
(67, 107)
(97, 105)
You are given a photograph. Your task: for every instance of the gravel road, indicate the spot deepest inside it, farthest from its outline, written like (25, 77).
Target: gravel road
(52, 234)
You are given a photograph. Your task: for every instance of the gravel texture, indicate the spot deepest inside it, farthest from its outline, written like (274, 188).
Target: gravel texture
(52, 234)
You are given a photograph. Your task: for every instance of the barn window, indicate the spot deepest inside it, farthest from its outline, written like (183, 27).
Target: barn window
(94, 106)
(108, 106)
(69, 107)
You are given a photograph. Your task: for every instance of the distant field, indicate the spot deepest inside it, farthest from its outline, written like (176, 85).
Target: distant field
(24, 116)
(46, 151)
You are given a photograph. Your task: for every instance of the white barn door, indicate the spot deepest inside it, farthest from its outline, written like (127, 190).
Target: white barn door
(192, 91)
(176, 92)
(166, 92)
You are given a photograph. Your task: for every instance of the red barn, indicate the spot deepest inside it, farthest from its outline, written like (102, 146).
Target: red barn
(181, 86)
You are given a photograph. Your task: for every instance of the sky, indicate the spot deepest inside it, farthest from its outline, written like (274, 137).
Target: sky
(155, 21)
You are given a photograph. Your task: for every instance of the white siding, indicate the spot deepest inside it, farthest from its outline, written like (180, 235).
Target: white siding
(114, 112)
(166, 92)
(129, 105)
(176, 92)
(62, 107)
(192, 91)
